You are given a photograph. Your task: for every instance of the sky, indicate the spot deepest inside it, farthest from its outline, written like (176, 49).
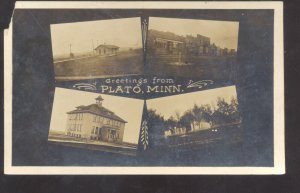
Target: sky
(168, 106)
(66, 100)
(222, 33)
(82, 35)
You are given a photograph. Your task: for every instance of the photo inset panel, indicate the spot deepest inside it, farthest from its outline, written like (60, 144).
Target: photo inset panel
(97, 49)
(93, 121)
(191, 47)
(195, 120)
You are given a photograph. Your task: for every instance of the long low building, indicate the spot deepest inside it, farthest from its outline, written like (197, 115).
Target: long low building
(107, 50)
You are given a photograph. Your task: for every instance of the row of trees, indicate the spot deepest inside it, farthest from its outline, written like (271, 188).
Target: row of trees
(219, 114)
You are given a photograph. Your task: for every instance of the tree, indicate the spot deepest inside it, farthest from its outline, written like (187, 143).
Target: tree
(222, 106)
(234, 114)
(155, 121)
(186, 120)
(226, 112)
(171, 123)
(156, 126)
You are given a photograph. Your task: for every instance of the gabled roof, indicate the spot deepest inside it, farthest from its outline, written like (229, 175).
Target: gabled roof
(107, 46)
(97, 110)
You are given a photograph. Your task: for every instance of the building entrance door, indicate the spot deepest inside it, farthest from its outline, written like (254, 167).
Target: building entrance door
(170, 47)
(112, 135)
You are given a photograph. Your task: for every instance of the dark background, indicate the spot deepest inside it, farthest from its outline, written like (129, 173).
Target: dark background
(284, 183)
(34, 83)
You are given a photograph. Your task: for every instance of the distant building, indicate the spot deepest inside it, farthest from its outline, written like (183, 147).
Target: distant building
(167, 43)
(200, 125)
(232, 52)
(175, 131)
(106, 50)
(195, 126)
(95, 122)
(198, 45)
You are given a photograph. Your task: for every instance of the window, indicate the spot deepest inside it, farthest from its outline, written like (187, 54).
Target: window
(79, 127)
(94, 118)
(72, 116)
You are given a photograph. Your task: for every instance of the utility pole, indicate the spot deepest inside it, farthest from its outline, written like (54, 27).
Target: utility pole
(71, 54)
(70, 45)
(93, 46)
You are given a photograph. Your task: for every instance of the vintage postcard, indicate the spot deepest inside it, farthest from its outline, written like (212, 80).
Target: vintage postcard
(181, 88)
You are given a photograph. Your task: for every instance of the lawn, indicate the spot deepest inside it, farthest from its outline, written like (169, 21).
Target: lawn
(125, 63)
(197, 67)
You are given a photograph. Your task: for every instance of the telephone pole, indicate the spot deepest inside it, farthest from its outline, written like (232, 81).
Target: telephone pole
(93, 46)
(70, 48)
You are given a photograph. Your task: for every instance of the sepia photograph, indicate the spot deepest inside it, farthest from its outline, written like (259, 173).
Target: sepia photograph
(191, 47)
(195, 120)
(93, 121)
(97, 49)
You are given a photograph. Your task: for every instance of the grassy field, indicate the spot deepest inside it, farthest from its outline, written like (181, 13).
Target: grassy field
(120, 148)
(225, 135)
(125, 63)
(203, 66)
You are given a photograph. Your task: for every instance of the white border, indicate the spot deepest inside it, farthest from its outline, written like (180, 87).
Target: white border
(279, 153)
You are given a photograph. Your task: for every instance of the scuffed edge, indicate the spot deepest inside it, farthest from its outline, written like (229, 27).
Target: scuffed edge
(8, 98)
(147, 5)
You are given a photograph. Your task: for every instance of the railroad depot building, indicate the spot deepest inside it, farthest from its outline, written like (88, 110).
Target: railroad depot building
(95, 122)
(107, 50)
(168, 43)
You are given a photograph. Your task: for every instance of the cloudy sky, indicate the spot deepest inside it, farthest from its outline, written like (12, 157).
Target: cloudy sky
(168, 106)
(66, 100)
(222, 33)
(82, 35)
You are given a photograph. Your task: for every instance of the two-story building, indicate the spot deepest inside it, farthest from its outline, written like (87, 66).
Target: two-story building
(95, 122)
(168, 44)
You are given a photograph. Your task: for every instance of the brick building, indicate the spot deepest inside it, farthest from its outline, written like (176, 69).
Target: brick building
(168, 43)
